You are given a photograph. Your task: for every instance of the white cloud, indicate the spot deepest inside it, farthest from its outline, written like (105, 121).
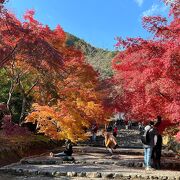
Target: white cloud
(155, 10)
(171, 1)
(139, 2)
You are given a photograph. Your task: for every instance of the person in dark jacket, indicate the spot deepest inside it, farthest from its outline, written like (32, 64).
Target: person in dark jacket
(148, 148)
(67, 152)
(156, 153)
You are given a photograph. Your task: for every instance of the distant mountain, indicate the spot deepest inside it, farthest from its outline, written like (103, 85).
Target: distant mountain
(99, 58)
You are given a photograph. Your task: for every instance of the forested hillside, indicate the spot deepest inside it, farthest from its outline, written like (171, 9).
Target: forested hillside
(99, 58)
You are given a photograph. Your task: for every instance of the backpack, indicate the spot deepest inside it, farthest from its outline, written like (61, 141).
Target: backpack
(145, 137)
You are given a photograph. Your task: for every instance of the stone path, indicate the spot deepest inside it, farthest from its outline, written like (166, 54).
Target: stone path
(91, 163)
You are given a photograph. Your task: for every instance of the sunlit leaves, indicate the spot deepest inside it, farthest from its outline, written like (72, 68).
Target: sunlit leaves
(77, 106)
(148, 72)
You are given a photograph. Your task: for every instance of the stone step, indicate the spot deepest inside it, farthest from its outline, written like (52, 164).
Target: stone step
(119, 150)
(123, 145)
(92, 171)
(138, 162)
(47, 160)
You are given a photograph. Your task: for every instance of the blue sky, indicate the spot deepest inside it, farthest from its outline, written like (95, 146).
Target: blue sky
(96, 21)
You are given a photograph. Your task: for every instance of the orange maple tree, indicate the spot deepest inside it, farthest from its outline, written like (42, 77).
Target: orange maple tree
(77, 105)
(67, 100)
(74, 101)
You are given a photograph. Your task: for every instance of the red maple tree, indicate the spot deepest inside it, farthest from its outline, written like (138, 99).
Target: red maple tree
(148, 73)
(29, 40)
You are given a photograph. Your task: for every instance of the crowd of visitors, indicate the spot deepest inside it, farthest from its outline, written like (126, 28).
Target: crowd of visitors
(150, 136)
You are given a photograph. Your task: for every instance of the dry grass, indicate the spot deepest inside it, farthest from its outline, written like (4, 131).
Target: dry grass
(9, 141)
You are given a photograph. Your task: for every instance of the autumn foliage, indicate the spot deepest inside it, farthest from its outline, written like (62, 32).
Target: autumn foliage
(28, 40)
(77, 105)
(73, 103)
(147, 71)
(63, 88)
(67, 101)
(66, 94)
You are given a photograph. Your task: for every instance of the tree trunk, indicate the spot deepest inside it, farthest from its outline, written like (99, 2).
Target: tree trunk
(23, 109)
(10, 96)
(24, 95)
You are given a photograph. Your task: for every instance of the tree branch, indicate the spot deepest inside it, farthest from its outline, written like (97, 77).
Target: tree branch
(8, 56)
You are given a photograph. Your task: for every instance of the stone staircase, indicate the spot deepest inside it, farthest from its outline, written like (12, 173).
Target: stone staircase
(90, 163)
(126, 138)
(129, 138)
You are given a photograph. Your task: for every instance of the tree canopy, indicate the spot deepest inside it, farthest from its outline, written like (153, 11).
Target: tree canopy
(58, 89)
(148, 71)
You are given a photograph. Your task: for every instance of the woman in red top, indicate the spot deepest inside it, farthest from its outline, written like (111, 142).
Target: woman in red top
(115, 131)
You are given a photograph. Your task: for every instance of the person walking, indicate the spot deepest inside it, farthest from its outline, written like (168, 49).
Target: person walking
(150, 140)
(110, 142)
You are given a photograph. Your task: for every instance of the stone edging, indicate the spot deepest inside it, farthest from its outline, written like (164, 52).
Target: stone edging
(21, 172)
(135, 164)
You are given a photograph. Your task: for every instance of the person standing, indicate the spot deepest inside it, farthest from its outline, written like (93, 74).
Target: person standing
(140, 126)
(156, 153)
(94, 130)
(129, 124)
(115, 130)
(151, 140)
